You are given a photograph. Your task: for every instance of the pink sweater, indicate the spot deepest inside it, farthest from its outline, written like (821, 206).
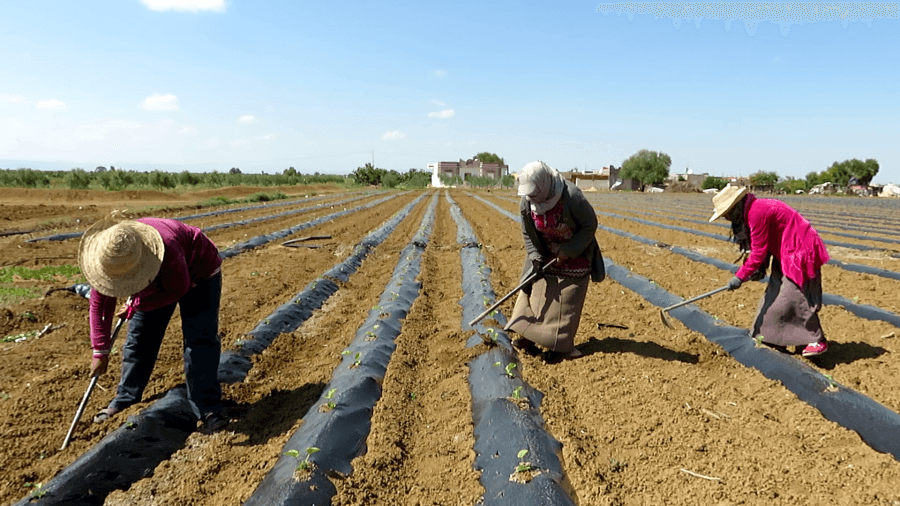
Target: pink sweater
(190, 257)
(777, 228)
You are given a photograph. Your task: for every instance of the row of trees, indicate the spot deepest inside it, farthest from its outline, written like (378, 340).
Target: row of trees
(117, 179)
(650, 167)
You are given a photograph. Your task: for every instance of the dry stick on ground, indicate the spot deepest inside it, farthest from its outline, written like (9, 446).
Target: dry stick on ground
(700, 475)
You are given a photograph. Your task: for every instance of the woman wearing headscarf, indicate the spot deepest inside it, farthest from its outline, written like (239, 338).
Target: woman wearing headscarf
(770, 230)
(557, 222)
(158, 264)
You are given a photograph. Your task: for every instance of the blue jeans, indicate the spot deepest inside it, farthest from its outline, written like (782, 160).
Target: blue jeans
(202, 347)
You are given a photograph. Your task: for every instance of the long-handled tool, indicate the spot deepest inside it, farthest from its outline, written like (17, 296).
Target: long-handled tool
(663, 311)
(523, 284)
(87, 394)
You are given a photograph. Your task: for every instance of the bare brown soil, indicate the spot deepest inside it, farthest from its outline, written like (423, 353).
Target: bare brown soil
(648, 416)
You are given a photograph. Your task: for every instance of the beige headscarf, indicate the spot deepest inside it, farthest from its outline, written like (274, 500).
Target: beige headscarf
(542, 185)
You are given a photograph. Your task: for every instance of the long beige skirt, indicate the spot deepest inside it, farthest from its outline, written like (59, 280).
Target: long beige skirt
(550, 316)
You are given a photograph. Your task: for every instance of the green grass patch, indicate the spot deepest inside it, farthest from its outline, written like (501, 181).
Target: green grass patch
(11, 295)
(47, 273)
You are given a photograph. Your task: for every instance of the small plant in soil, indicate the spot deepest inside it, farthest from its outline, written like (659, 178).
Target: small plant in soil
(370, 336)
(491, 335)
(38, 491)
(356, 360)
(304, 465)
(28, 315)
(615, 466)
(345, 352)
(517, 393)
(330, 394)
(328, 406)
(832, 386)
(524, 471)
(509, 370)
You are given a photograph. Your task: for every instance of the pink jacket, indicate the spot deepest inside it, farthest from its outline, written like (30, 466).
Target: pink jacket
(777, 228)
(190, 257)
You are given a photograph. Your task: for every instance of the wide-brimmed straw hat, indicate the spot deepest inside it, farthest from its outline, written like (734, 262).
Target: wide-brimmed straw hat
(120, 258)
(726, 199)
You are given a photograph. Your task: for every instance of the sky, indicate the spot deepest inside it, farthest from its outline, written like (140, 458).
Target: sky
(326, 87)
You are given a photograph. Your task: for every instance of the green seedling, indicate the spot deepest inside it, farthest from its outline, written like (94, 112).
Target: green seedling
(38, 491)
(517, 393)
(356, 359)
(19, 337)
(4, 396)
(497, 364)
(509, 369)
(492, 334)
(832, 385)
(523, 466)
(305, 464)
(345, 352)
(412, 396)
(615, 465)
(370, 335)
(28, 315)
(330, 394)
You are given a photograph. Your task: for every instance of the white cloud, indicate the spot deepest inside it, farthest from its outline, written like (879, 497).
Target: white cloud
(11, 99)
(393, 135)
(440, 73)
(438, 103)
(187, 131)
(446, 113)
(185, 5)
(160, 102)
(52, 105)
(266, 137)
(248, 118)
(240, 143)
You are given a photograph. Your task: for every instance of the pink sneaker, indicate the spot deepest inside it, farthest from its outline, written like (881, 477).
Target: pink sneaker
(816, 348)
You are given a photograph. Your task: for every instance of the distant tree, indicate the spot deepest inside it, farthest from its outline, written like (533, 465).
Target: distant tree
(161, 180)
(390, 179)
(290, 171)
(863, 171)
(78, 179)
(713, 182)
(648, 167)
(99, 169)
(188, 178)
(507, 181)
(486, 157)
(762, 178)
(791, 185)
(367, 175)
(234, 170)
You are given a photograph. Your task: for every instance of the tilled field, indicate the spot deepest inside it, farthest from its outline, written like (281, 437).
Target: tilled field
(648, 416)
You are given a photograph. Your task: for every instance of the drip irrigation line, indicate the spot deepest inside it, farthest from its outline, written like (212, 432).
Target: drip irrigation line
(502, 427)
(876, 424)
(133, 450)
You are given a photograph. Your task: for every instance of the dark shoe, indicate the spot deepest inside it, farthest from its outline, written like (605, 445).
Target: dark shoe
(214, 422)
(520, 343)
(555, 357)
(105, 414)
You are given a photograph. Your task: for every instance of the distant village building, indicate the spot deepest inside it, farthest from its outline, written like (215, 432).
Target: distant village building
(464, 169)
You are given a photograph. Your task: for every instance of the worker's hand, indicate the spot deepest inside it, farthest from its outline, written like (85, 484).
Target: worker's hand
(99, 364)
(127, 311)
(561, 257)
(537, 267)
(734, 283)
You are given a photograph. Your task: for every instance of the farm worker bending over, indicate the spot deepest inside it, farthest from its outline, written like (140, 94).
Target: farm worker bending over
(769, 228)
(557, 221)
(158, 263)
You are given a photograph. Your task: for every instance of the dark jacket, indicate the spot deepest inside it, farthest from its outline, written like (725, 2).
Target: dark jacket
(579, 215)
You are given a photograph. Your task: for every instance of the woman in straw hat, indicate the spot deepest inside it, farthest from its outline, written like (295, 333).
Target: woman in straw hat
(557, 222)
(788, 313)
(158, 264)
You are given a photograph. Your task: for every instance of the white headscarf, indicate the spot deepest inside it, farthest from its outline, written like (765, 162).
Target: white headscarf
(542, 185)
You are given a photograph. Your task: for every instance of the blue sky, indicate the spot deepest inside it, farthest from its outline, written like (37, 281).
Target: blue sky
(325, 86)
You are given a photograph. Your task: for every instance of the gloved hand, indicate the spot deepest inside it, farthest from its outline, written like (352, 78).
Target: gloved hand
(99, 363)
(537, 267)
(734, 283)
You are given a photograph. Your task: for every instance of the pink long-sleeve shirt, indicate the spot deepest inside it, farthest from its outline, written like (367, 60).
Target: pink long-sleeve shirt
(777, 229)
(190, 258)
